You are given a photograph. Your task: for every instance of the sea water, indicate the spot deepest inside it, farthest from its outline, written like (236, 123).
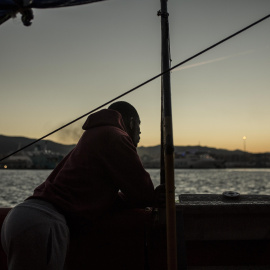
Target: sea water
(16, 185)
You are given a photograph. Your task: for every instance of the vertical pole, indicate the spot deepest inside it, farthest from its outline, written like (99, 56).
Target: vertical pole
(168, 142)
(162, 160)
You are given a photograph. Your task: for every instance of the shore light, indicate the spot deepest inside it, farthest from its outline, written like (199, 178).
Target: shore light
(244, 140)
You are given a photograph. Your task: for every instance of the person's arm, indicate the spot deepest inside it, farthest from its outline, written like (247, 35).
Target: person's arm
(127, 173)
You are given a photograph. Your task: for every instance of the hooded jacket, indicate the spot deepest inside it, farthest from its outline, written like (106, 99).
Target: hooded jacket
(86, 183)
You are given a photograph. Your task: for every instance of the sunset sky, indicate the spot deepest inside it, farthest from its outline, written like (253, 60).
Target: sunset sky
(71, 60)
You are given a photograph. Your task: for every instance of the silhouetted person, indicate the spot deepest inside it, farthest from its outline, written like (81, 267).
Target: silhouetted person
(80, 191)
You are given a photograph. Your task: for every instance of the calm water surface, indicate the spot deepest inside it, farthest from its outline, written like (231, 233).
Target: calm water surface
(16, 185)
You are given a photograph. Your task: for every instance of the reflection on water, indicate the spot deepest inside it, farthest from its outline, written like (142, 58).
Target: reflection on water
(16, 185)
(216, 181)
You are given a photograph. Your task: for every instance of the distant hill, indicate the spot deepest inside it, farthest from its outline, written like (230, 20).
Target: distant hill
(154, 151)
(150, 156)
(10, 144)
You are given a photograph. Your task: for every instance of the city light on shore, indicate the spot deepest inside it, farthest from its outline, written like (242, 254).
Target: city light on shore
(244, 140)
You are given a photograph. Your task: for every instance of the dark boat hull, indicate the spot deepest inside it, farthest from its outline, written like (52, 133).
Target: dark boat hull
(213, 233)
(227, 233)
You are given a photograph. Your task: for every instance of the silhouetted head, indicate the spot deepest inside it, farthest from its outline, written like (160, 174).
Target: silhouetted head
(131, 119)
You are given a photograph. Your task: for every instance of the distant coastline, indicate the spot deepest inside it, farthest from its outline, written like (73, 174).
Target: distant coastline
(47, 154)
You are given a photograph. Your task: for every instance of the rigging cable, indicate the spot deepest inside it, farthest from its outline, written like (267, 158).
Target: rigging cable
(142, 84)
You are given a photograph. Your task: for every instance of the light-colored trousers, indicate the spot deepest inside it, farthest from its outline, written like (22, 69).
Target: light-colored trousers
(35, 236)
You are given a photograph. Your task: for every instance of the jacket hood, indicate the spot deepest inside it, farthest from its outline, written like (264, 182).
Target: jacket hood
(105, 117)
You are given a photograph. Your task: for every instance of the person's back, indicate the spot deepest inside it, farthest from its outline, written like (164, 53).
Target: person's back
(84, 187)
(86, 183)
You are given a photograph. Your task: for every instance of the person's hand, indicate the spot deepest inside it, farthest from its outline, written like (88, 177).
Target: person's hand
(160, 196)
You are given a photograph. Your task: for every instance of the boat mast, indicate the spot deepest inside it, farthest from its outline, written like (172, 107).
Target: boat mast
(167, 140)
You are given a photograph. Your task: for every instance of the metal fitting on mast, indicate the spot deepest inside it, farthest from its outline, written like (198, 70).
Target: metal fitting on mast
(163, 14)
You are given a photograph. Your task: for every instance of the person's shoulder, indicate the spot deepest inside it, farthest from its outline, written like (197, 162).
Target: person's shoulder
(107, 133)
(118, 135)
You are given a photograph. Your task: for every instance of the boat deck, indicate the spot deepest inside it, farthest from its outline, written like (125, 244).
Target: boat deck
(214, 232)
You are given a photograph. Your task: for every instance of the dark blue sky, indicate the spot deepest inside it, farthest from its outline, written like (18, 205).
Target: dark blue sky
(71, 60)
